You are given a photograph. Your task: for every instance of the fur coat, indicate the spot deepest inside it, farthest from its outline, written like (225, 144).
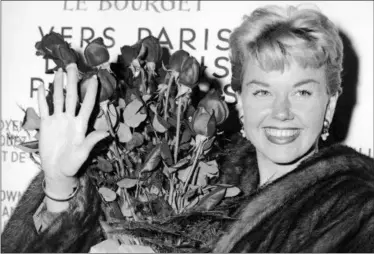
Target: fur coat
(325, 205)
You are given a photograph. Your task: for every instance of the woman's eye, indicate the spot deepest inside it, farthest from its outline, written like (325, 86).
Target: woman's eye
(304, 93)
(261, 93)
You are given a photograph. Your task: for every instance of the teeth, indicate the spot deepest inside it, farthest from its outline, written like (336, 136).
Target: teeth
(281, 133)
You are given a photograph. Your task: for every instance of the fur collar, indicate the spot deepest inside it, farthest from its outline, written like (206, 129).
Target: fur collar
(241, 169)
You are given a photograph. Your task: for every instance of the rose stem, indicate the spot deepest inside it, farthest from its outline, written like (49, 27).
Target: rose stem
(171, 191)
(116, 152)
(199, 149)
(167, 95)
(178, 128)
(130, 204)
(194, 178)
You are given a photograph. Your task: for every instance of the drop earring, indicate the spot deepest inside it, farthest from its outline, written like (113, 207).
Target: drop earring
(325, 130)
(242, 131)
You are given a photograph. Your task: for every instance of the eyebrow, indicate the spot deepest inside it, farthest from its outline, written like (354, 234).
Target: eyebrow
(300, 83)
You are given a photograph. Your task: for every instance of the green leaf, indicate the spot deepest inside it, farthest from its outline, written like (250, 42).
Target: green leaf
(193, 203)
(209, 201)
(208, 144)
(232, 192)
(132, 115)
(29, 147)
(206, 171)
(104, 165)
(124, 133)
(31, 121)
(125, 208)
(146, 97)
(101, 122)
(179, 165)
(136, 140)
(158, 125)
(152, 160)
(182, 174)
(107, 194)
(121, 103)
(127, 183)
(166, 153)
(185, 140)
(182, 162)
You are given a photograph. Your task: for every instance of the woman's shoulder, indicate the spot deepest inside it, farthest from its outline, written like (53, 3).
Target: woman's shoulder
(343, 160)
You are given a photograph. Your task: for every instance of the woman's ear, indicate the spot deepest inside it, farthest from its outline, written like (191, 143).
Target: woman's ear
(331, 107)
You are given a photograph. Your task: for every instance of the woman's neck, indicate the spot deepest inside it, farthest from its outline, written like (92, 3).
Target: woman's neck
(270, 171)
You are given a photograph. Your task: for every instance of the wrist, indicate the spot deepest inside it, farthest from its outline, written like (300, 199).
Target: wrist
(61, 187)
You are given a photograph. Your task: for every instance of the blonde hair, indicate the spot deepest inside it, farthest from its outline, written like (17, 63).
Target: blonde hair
(274, 37)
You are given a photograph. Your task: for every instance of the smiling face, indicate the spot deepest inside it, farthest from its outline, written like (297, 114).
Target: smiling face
(284, 111)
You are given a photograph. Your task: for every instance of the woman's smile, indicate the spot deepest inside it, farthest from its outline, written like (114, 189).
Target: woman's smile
(281, 136)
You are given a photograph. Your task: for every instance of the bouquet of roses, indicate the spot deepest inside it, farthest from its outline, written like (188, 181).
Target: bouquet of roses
(155, 172)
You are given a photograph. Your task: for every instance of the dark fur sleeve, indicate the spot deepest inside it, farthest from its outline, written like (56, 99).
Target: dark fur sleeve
(238, 164)
(75, 230)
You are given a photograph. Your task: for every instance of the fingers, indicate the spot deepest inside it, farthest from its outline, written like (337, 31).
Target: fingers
(89, 99)
(58, 97)
(92, 139)
(43, 106)
(72, 88)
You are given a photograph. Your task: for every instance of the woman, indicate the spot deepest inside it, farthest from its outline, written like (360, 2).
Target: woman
(286, 69)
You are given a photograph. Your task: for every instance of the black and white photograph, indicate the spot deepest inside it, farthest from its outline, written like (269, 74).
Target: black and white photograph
(187, 126)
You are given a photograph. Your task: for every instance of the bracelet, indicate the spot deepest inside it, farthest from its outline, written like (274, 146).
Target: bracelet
(72, 195)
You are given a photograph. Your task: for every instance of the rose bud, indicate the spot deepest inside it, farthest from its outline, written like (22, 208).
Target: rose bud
(151, 50)
(203, 123)
(214, 104)
(177, 59)
(96, 52)
(128, 54)
(52, 46)
(190, 72)
(31, 121)
(129, 58)
(107, 84)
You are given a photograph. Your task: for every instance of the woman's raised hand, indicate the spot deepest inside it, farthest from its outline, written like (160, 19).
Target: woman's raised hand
(63, 144)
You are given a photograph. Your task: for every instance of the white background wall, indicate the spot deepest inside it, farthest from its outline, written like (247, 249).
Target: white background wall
(22, 21)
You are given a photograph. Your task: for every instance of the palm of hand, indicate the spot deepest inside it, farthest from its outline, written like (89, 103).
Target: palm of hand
(61, 144)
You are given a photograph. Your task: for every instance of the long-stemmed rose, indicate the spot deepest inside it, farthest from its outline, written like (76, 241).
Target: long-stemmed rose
(204, 125)
(151, 53)
(54, 47)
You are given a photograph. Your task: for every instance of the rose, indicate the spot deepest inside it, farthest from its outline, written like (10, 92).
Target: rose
(176, 60)
(203, 123)
(107, 85)
(190, 72)
(128, 54)
(52, 46)
(214, 104)
(96, 52)
(151, 50)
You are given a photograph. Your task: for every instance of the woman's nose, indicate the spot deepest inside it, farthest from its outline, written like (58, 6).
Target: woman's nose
(282, 109)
